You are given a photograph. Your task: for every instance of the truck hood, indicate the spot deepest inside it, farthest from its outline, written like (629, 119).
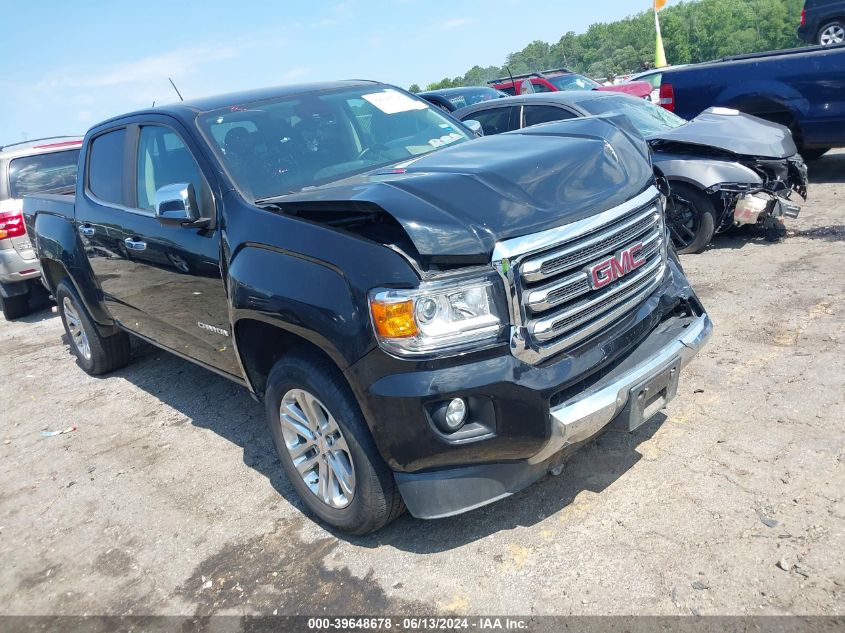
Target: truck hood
(731, 131)
(461, 200)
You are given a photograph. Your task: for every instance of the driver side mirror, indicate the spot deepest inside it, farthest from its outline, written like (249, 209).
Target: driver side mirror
(474, 127)
(177, 204)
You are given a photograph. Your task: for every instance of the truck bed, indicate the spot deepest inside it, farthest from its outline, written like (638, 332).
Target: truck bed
(54, 204)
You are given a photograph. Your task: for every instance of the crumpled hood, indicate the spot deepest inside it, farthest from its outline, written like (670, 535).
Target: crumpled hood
(735, 132)
(461, 200)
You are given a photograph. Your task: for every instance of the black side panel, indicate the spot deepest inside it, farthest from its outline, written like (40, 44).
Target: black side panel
(57, 240)
(313, 281)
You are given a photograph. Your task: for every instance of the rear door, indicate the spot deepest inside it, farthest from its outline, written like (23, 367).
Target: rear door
(161, 281)
(543, 113)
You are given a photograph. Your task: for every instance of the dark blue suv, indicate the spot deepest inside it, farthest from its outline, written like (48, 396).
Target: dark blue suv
(823, 22)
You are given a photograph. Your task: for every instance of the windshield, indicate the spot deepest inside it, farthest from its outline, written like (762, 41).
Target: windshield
(471, 96)
(43, 173)
(271, 148)
(572, 82)
(648, 118)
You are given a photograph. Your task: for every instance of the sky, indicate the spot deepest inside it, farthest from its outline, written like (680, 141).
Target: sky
(68, 65)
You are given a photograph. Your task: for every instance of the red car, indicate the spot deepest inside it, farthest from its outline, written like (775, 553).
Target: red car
(558, 79)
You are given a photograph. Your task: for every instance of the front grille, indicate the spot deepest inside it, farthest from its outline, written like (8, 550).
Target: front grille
(557, 303)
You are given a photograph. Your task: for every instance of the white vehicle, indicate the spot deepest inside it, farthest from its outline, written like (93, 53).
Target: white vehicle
(40, 166)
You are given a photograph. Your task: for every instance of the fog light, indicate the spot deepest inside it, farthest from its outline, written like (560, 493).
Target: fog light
(456, 414)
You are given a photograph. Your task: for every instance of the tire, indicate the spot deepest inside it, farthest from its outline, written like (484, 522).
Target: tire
(95, 354)
(814, 153)
(832, 32)
(691, 218)
(374, 500)
(15, 307)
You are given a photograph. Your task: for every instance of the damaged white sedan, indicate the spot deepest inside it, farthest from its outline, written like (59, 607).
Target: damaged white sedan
(724, 168)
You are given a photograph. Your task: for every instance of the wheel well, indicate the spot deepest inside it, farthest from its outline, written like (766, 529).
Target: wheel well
(770, 110)
(54, 272)
(261, 344)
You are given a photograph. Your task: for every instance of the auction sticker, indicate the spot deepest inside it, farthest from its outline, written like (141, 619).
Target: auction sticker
(392, 101)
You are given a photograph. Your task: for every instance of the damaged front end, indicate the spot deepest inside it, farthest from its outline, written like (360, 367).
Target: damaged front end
(743, 189)
(764, 202)
(748, 167)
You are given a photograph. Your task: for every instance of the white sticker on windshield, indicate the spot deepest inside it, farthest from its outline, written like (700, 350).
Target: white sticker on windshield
(392, 101)
(445, 140)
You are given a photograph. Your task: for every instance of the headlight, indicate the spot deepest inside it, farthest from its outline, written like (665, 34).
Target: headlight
(436, 317)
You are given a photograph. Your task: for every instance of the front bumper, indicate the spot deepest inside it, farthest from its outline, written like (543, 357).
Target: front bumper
(446, 492)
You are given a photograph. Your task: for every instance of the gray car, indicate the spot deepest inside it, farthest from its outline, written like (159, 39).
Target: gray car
(40, 166)
(725, 168)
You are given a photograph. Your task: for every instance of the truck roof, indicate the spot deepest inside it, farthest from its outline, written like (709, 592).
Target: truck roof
(748, 56)
(189, 109)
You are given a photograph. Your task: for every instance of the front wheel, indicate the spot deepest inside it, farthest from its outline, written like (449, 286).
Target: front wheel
(325, 446)
(95, 354)
(691, 218)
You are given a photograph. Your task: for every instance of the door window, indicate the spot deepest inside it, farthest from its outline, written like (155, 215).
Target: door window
(535, 114)
(493, 121)
(105, 166)
(539, 86)
(164, 159)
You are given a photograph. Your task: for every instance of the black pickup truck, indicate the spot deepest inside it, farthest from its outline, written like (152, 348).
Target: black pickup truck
(433, 320)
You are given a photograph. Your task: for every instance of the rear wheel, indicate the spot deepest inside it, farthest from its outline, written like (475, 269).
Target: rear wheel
(15, 307)
(691, 218)
(95, 354)
(831, 33)
(325, 446)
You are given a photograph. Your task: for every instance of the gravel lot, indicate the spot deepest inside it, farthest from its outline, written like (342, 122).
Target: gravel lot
(168, 499)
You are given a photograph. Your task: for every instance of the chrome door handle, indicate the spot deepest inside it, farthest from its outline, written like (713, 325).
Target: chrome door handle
(86, 231)
(135, 245)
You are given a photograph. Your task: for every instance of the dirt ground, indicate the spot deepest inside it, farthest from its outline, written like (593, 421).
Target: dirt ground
(168, 499)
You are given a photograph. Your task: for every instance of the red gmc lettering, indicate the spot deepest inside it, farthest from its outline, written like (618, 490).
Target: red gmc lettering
(613, 267)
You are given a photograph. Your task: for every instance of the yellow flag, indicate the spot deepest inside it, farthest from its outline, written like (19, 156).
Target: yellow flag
(659, 53)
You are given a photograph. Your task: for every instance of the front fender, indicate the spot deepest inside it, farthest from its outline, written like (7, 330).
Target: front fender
(310, 299)
(704, 173)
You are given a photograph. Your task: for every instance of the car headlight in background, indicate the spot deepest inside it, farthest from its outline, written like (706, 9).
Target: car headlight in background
(440, 316)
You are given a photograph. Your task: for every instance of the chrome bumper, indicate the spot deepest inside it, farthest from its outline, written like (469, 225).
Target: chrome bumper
(586, 414)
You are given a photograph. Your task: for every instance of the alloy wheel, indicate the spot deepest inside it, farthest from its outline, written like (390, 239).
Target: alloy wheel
(75, 329)
(683, 222)
(317, 448)
(832, 34)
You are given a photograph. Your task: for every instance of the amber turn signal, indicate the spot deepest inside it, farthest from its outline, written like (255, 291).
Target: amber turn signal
(394, 320)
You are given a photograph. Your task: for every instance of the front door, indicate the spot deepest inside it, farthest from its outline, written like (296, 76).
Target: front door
(163, 282)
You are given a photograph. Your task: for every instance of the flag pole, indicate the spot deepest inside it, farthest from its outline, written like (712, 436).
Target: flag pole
(659, 53)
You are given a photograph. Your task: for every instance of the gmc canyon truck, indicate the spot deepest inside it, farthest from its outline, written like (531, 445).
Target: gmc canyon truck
(432, 320)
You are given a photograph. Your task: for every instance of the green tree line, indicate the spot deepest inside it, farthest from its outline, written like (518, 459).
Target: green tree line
(692, 32)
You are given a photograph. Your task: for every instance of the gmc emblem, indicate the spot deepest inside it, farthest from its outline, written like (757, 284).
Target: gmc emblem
(616, 266)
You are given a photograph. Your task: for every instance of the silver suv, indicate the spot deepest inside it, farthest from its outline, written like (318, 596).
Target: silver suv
(40, 166)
